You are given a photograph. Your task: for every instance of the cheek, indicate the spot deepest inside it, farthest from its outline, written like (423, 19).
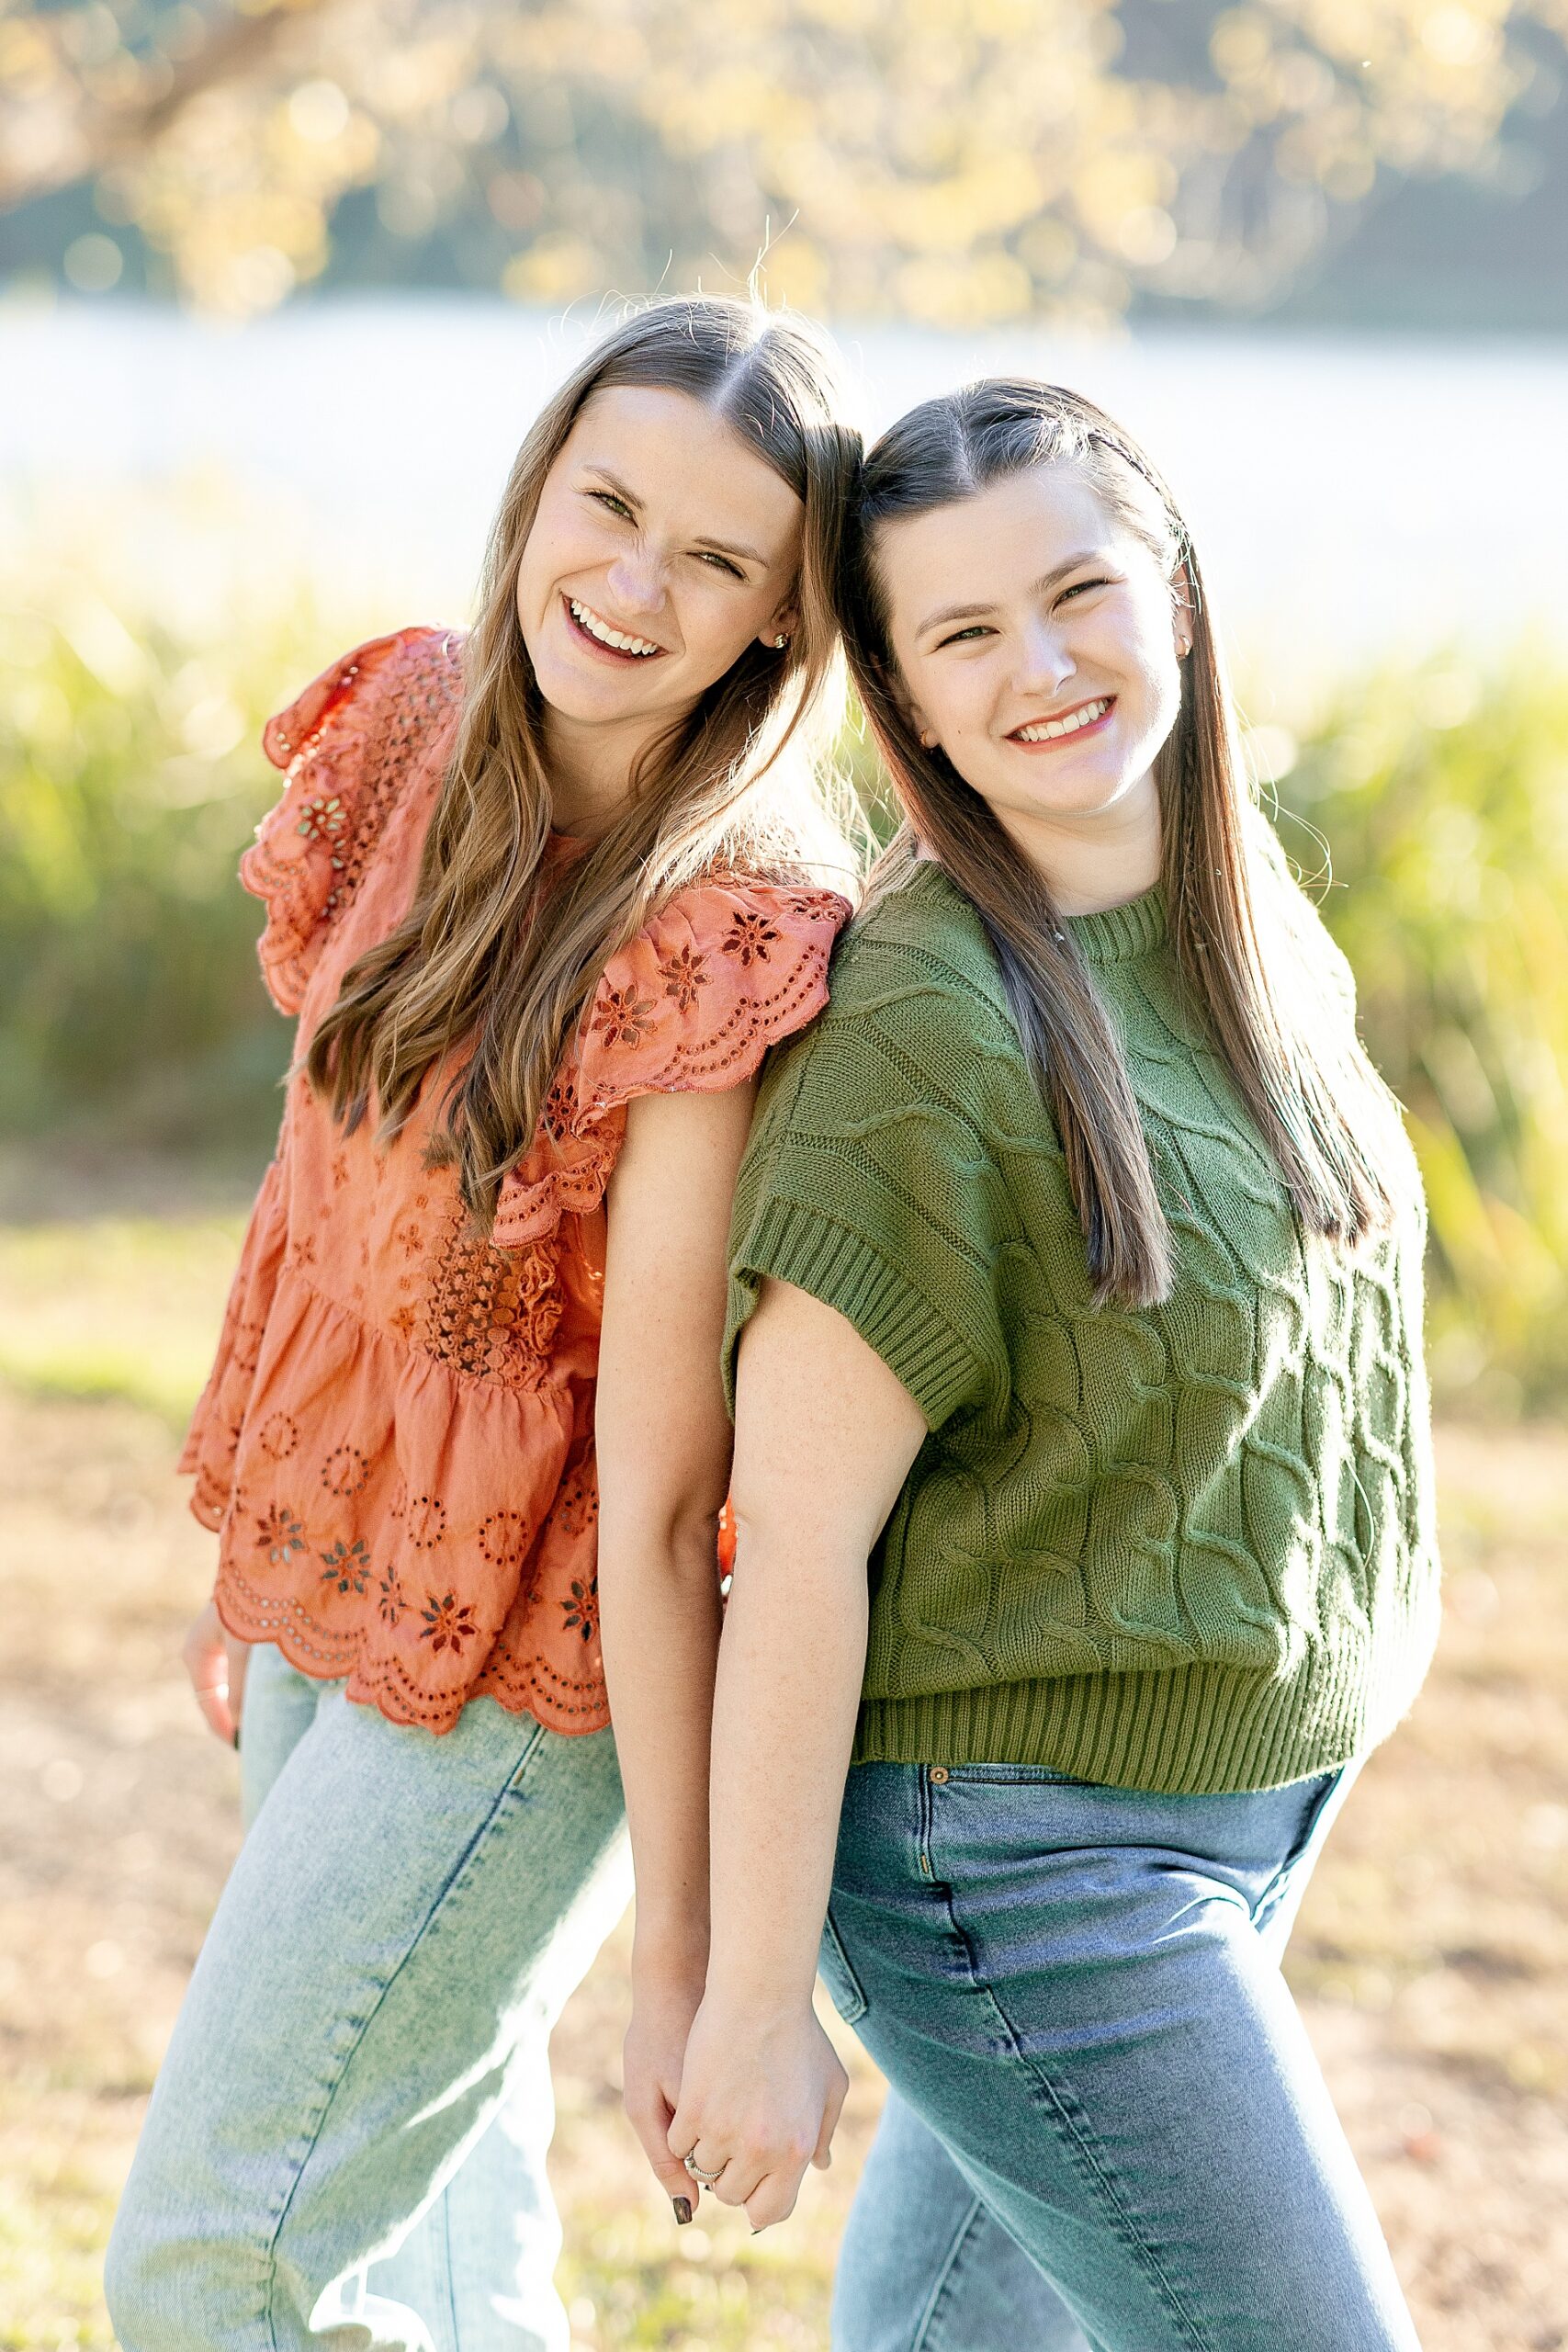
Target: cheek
(718, 625)
(560, 540)
(952, 700)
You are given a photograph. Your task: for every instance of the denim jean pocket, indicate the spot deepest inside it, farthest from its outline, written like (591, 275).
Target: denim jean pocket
(843, 1984)
(1010, 1776)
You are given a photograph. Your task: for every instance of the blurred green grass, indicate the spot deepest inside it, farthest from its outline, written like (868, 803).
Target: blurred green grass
(1428, 807)
(114, 1306)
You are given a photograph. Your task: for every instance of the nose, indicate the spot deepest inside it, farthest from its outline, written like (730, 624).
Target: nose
(637, 581)
(1044, 662)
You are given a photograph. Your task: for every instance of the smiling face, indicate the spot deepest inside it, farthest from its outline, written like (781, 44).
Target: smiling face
(662, 546)
(1035, 642)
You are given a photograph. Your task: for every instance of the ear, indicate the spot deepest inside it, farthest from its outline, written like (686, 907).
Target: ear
(1182, 612)
(912, 713)
(784, 622)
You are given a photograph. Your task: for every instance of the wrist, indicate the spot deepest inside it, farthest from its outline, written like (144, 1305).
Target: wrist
(670, 1958)
(752, 1995)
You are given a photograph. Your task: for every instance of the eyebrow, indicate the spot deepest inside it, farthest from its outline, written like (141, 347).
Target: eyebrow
(977, 612)
(718, 547)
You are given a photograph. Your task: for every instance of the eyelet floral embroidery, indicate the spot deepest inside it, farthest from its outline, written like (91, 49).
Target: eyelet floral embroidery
(392, 1608)
(345, 1470)
(448, 1623)
(323, 820)
(279, 1535)
(424, 1522)
(682, 976)
(621, 1016)
(559, 1105)
(583, 1608)
(504, 1539)
(347, 1566)
(748, 938)
(278, 1436)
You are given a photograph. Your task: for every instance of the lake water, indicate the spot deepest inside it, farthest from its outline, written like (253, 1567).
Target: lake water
(1352, 500)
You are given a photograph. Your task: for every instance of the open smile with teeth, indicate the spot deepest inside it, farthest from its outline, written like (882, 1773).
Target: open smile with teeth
(615, 640)
(1048, 731)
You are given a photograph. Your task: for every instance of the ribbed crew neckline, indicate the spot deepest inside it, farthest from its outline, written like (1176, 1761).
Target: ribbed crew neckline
(1118, 934)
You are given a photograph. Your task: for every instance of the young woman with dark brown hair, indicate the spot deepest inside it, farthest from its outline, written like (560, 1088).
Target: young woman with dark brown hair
(1075, 1280)
(540, 901)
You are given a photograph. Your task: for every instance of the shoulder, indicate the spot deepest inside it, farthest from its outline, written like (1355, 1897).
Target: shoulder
(723, 970)
(348, 746)
(420, 667)
(915, 993)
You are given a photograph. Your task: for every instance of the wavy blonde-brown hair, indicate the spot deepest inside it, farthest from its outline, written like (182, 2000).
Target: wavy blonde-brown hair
(1254, 966)
(740, 784)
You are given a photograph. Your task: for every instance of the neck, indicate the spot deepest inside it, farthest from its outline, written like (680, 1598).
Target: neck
(590, 770)
(1094, 862)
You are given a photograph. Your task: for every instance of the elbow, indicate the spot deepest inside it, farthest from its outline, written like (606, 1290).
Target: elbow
(676, 1534)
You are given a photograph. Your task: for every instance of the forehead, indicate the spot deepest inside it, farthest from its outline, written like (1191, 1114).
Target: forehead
(685, 466)
(981, 549)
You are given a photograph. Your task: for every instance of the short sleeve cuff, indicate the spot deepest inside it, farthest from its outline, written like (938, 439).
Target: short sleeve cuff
(800, 1246)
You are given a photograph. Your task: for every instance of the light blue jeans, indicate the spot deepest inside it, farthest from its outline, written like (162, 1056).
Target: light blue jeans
(345, 2145)
(1107, 2127)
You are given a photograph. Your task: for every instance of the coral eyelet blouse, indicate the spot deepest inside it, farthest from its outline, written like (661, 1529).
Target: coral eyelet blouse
(395, 1446)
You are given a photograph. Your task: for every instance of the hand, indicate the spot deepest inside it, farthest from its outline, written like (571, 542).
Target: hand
(663, 2006)
(760, 2094)
(215, 1661)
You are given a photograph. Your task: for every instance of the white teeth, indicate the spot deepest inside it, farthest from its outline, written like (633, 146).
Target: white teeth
(587, 618)
(1068, 726)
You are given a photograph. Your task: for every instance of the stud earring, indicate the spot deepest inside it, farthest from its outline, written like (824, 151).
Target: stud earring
(779, 644)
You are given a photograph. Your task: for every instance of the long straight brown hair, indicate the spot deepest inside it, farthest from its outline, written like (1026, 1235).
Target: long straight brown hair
(1253, 960)
(485, 958)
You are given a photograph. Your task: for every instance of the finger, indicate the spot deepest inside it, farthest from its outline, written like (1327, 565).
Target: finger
(773, 2198)
(838, 2090)
(212, 1698)
(738, 2181)
(650, 2119)
(208, 1671)
(239, 1653)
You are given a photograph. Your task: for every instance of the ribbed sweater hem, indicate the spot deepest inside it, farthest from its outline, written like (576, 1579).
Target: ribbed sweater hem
(1193, 1731)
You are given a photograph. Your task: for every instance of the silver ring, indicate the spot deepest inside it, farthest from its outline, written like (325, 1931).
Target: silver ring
(705, 2179)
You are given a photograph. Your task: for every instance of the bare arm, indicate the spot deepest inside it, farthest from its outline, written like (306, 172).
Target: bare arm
(664, 1446)
(824, 1439)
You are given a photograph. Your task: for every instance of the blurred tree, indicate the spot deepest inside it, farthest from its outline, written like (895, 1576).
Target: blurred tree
(958, 161)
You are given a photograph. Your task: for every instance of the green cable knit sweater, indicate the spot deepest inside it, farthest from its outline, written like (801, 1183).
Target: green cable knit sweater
(1184, 1549)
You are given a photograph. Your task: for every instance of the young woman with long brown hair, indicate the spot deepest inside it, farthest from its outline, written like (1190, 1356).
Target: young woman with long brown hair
(540, 901)
(1075, 1284)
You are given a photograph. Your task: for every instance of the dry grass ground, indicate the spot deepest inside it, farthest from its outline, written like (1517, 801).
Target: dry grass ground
(1429, 1956)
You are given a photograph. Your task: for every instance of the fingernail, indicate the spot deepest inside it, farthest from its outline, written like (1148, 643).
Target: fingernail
(683, 2210)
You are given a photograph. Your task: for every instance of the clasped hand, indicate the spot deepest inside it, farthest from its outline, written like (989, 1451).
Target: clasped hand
(761, 2092)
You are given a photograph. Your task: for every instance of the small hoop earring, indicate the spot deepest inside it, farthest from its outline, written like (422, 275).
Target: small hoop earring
(779, 644)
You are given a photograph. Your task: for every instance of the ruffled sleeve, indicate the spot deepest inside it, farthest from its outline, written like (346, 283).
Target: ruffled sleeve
(347, 747)
(724, 971)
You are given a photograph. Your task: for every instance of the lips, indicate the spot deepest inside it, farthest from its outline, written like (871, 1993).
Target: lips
(1065, 726)
(590, 628)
